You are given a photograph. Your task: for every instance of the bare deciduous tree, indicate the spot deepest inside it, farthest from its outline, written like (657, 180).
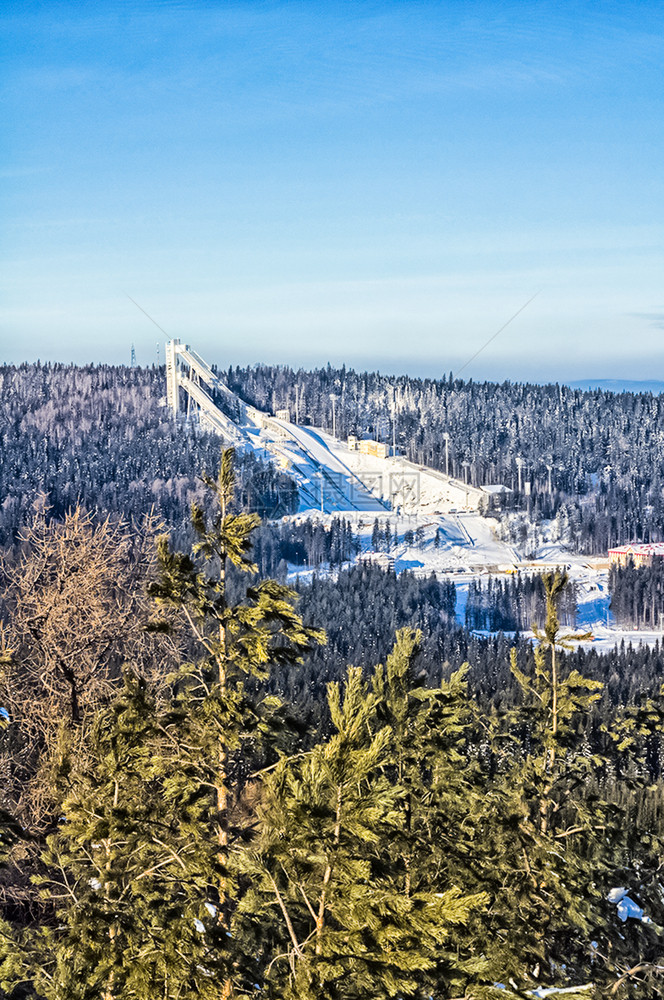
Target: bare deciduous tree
(75, 608)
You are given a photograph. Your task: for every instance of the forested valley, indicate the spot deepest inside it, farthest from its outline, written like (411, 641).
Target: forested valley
(218, 785)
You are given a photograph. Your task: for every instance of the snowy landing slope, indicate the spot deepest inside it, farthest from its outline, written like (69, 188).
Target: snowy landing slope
(433, 522)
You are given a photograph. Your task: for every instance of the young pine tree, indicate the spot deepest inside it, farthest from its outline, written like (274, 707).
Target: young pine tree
(131, 870)
(433, 840)
(550, 839)
(331, 868)
(218, 720)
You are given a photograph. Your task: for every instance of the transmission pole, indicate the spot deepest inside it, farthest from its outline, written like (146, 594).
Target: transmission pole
(520, 462)
(334, 398)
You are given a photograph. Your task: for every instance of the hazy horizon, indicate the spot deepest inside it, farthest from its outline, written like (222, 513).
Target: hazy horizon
(383, 184)
(389, 368)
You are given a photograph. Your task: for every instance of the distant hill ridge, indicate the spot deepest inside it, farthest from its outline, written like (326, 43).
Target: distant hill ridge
(619, 385)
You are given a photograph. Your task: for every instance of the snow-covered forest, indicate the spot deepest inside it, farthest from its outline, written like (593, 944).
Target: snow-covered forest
(201, 798)
(593, 459)
(97, 435)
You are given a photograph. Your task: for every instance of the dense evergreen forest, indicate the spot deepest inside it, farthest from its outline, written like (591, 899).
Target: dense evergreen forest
(98, 434)
(308, 542)
(637, 595)
(201, 798)
(360, 628)
(189, 809)
(513, 603)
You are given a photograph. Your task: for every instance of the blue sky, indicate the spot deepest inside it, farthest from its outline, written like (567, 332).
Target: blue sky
(380, 184)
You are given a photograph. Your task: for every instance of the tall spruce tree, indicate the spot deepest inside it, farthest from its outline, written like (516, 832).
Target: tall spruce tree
(353, 921)
(550, 844)
(218, 719)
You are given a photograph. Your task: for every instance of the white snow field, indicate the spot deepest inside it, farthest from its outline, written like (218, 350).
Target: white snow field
(325, 482)
(406, 485)
(450, 537)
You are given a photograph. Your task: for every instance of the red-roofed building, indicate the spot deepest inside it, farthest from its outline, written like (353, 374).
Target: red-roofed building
(641, 554)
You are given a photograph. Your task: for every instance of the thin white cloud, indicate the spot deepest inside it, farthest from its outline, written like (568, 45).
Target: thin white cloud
(654, 319)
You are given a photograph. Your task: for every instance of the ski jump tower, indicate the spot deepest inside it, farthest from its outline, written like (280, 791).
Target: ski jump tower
(189, 376)
(193, 387)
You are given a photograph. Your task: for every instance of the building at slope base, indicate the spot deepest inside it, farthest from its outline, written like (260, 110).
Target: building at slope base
(641, 554)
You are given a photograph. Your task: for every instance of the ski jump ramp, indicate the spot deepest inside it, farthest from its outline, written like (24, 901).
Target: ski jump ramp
(195, 392)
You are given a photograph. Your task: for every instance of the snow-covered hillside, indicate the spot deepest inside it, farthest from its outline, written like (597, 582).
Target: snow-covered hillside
(410, 517)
